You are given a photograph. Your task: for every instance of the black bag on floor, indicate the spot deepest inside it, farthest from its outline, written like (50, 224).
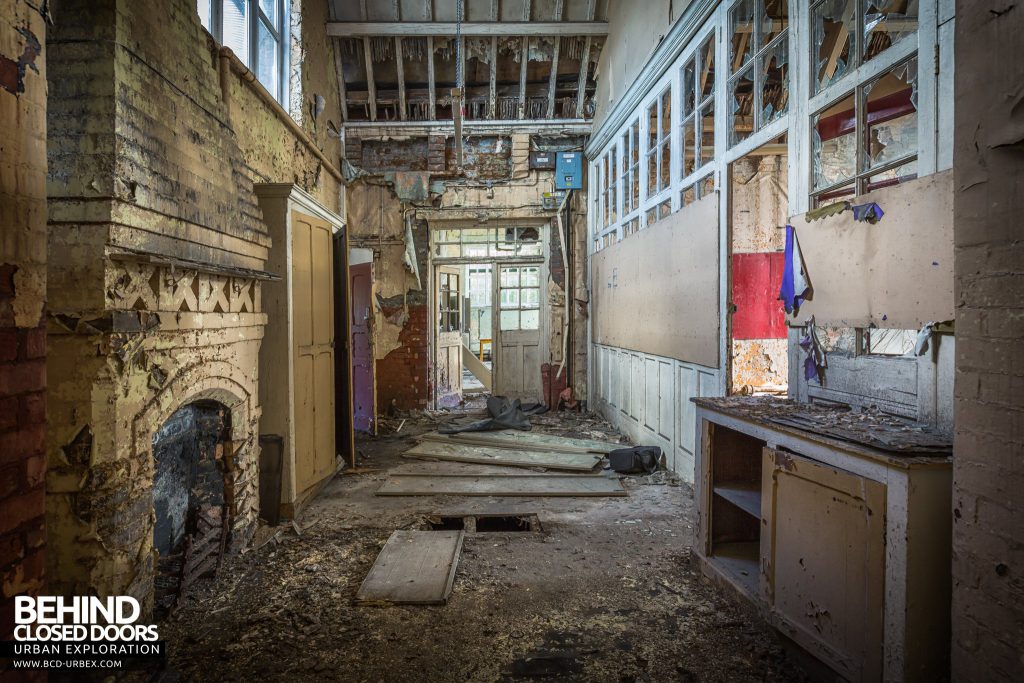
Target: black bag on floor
(637, 460)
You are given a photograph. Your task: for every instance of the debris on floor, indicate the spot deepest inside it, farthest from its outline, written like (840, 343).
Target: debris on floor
(584, 592)
(532, 485)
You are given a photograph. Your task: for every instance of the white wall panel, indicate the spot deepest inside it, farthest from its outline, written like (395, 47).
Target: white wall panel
(654, 407)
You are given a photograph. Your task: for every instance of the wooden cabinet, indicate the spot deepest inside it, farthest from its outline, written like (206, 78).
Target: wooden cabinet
(844, 548)
(304, 372)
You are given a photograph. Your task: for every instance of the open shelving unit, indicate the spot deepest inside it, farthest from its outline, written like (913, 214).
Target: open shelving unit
(736, 505)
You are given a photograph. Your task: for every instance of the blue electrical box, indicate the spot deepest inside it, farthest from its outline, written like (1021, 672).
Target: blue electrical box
(569, 171)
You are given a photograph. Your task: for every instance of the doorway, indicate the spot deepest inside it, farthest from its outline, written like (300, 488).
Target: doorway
(489, 312)
(759, 206)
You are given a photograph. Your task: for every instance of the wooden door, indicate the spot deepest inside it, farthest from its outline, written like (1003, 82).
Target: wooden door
(517, 343)
(448, 298)
(313, 340)
(362, 349)
(823, 559)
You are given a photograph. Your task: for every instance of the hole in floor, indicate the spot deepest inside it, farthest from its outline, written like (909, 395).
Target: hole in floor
(508, 523)
(484, 523)
(446, 523)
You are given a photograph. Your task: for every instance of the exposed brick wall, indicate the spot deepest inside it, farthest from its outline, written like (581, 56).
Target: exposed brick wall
(988, 466)
(403, 376)
(22, 300)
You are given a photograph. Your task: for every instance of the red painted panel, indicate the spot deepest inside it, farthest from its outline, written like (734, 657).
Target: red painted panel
(756, 279)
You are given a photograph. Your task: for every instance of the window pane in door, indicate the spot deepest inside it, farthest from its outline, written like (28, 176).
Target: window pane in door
(530, 320)
(531, 277)
(236, 28)
(510, 320)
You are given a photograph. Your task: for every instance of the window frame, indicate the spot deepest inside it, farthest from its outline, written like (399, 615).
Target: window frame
(862, 170)
(758, 52)
(255, 17)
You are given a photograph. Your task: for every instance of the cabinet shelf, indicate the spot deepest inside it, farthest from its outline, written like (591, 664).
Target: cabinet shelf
(740, 560)
(746, 495)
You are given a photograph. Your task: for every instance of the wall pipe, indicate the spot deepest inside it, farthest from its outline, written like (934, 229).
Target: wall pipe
(229, 62)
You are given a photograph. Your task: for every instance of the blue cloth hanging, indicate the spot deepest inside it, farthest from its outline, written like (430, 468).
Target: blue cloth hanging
(796, 286)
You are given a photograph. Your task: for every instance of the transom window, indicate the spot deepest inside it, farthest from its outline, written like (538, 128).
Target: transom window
(847, 33)
(507, 242)
(255, 32)
(759, 65)
(867, 139)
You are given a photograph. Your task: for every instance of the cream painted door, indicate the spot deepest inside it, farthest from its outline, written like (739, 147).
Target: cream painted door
(823, 558)
(313, 343)
(448, 298)
(517, 360)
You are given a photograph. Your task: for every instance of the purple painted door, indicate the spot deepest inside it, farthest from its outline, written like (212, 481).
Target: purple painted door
(362, 350)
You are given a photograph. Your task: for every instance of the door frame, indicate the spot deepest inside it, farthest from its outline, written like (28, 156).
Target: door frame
(544, 225)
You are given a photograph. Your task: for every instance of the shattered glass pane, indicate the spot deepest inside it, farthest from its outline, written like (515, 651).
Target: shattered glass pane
(833, 148)
(892, 115)
(774, 21)
(666, 165)
(774, 82)
(689, 96)
(689, 149)
(707, 132)
(832, 25)
(894, 176)
(884, 342)
(706, 85)
(531, 249)
(741, 97)
(886, 22)
(741, 33)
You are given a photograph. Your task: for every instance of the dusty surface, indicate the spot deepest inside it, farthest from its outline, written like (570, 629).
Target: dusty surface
(608, 591)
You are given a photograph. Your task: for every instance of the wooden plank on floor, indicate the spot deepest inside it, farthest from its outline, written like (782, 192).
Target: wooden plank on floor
(538, 485)
(413, 568)
(489, 455)
(526, 441)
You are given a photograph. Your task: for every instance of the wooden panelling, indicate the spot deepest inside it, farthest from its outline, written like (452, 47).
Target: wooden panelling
(657, 292)
(648, 398)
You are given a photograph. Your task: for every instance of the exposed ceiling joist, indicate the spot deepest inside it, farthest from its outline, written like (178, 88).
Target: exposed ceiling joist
(350, 29)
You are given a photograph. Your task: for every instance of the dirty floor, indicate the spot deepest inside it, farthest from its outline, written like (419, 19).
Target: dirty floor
(607, 591)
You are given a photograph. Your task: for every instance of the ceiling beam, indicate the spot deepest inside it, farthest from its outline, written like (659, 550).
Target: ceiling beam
(432, 92)
(400, 67)
(340, 71)
(581, 88)
(371, 85)
(553, 78)
(352, 29)
(492, 99)
(524, 57)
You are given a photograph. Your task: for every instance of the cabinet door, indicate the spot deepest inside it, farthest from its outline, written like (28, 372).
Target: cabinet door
(824, 561)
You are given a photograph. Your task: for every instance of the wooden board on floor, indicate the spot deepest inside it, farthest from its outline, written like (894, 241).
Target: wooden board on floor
(489, 455)
(413, 568)
(537, 485)
(526, 441)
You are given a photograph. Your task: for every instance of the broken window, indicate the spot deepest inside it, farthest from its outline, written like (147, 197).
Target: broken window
(659, 138)
(867, 139)
(519, 298)
(254, 30)
(488, 242)
(847, 33)
(759, 53)
(697, 129)
(613, 158)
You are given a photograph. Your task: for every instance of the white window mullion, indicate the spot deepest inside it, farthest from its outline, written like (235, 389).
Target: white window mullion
(927, 88)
